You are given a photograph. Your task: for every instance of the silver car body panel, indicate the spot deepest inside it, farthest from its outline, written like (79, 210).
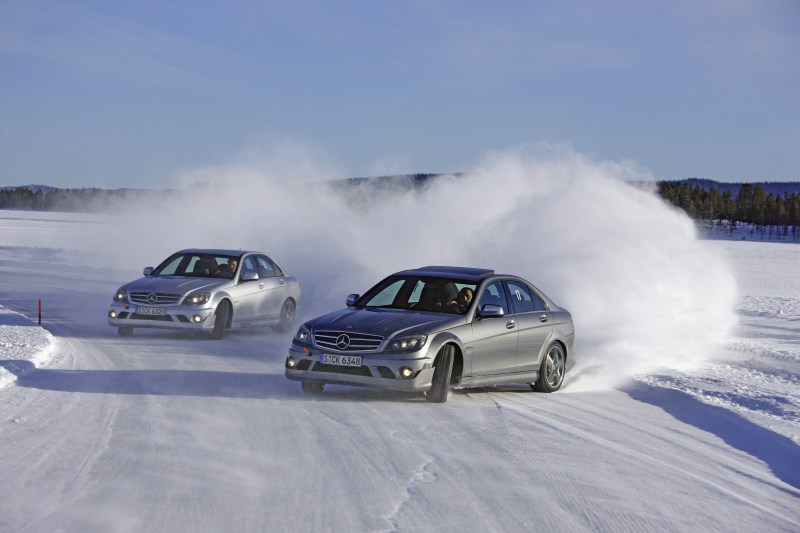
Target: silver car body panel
(503, 349)
(253, 302)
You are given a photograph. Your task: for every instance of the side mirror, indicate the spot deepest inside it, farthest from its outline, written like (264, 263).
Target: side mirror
(490, 311)
(249, 275)
(351, 300)
(148, 271)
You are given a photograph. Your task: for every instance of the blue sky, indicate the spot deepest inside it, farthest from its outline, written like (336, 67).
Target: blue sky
(131, 94)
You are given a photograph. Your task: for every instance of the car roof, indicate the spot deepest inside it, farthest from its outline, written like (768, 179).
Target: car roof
(217, 251)
(474, 274)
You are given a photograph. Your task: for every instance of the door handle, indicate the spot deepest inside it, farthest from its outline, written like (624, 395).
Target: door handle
(260, 285)
(280, 281)
(543, 318)
(510, 324)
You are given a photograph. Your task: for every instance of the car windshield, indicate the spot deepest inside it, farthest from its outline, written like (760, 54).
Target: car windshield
(419, 293)
(198, 265)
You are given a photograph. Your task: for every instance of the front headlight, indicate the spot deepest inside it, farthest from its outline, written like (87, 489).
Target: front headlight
(121, 295)
(407, 344)
(303, 335)
(197, 298)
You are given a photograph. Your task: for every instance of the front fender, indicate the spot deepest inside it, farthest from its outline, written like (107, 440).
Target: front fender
(439, 340)
(218, 297)
(460, 336)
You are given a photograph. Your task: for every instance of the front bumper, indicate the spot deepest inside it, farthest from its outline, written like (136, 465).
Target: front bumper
(179, 317)
(380, 370)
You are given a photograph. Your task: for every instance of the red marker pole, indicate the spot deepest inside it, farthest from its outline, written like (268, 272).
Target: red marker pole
(40, 311)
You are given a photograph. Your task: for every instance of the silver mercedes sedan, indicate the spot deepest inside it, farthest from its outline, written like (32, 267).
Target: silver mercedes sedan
(435, 328)
(209, 291)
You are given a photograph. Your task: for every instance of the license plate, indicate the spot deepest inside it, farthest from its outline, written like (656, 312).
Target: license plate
(151, 311)
(340, 360)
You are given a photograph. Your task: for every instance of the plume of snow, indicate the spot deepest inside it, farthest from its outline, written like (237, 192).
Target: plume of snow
(643, 290)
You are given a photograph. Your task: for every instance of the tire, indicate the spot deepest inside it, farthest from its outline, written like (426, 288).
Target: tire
(312, 388)
(551, 373)
(443, 369)
(125, 331)
(288, 316)
(220, 320)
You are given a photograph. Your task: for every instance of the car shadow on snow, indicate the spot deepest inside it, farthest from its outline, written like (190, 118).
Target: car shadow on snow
(779, 453)
(155, 382)
(201, 383)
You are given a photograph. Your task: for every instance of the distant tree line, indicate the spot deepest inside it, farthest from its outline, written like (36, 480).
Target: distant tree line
(752, 205)
(70, 200)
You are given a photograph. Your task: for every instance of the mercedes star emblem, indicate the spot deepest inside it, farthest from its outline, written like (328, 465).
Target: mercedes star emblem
(342, 341)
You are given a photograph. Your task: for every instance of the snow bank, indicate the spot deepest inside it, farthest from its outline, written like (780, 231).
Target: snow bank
(21, 340)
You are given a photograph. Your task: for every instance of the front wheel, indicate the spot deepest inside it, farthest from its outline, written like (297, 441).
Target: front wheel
(443, 369)
(312, 388)
(220, 321)
(551, 373)
(287, 316)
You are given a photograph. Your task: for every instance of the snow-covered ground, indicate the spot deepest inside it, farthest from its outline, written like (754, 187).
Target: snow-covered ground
(163, 431)
(757, 375)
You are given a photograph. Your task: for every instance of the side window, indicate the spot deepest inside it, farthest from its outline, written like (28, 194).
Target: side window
(266, 267)
(278, 270)
(538, 303)
(249, 265)
(493, 294)
(521, 299)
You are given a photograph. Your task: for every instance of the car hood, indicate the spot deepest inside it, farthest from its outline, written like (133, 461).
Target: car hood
(385, 322)
(174, 284)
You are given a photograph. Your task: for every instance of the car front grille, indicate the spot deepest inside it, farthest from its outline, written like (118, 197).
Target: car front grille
(154, 298)
(345, 341)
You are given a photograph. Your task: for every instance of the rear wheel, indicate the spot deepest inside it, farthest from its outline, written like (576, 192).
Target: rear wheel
(287, 316)
(551, 373)
(125, 331)
(220, 320)
(443, 369)
(312, 388)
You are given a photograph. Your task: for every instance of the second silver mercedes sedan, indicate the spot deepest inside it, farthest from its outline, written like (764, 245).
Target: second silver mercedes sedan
(435, 328)
(209, 291)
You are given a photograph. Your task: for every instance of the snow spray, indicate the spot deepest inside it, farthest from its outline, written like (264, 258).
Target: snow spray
(644, 291)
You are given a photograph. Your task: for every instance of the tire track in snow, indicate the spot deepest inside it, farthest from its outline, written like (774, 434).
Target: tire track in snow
(423, 475)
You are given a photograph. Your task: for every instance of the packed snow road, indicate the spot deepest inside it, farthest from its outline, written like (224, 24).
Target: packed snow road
(170, 432)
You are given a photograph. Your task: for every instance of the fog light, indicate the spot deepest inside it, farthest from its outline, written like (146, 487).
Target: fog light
(290, 362)
(406, 372)
(112, 314)
(197, 319)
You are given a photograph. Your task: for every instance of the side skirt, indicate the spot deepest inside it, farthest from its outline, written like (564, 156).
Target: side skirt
(480, 381)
